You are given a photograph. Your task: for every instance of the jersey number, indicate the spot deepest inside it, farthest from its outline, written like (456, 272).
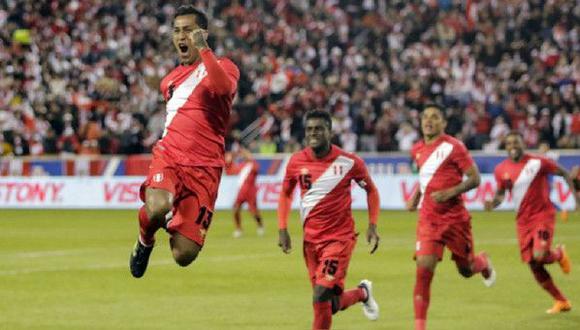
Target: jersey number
(330, 267)
(543, 235)
(204, 217)
(305, 181)
(337, 169)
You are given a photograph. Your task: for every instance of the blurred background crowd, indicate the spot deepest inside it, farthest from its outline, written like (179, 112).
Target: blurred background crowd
(82, 77)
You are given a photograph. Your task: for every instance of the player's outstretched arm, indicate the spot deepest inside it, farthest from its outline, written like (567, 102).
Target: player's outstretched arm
(473, 180)
(560, 171)
(496, 201)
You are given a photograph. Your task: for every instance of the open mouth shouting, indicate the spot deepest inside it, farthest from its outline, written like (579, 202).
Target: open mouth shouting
(183, 48)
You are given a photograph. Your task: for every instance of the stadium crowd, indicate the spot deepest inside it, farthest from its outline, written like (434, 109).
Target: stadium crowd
(82, 76)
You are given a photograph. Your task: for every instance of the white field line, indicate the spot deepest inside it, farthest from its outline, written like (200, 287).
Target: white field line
(44, 254)
(126, 264)
(361, 243)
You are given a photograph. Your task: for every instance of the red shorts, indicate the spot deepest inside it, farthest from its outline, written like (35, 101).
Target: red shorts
(536, 235)
(433, 237)
(248, 196)
(327, 263)
(194, 191)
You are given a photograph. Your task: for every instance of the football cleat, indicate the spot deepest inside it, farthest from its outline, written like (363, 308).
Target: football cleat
(491, 274)
(139, 259)
(238, 233)
(560, 306)
(565, 262)
(261, 231)
(564, 215)
(370, 306)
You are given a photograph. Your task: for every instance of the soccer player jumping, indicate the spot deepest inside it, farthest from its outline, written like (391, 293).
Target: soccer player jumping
(443, 220)
(526, 176)
(324, 173)
(181, 188)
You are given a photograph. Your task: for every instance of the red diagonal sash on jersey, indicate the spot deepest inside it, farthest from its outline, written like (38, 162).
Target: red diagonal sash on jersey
(324, 185)
(524, 180)
(428, 169)
(182, 93)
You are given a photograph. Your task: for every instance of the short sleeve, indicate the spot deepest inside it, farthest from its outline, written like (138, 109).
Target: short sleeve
(290, 181)
(462, 158)
(360, 174)
(549, 166)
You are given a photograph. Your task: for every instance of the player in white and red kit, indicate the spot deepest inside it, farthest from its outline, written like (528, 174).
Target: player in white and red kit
(247, 172)
(443, 220)
(324, 173)
(526, 176)
(181, 188)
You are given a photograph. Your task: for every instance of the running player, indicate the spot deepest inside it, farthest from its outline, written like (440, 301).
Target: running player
(526, 176)
(247, 172)
(324, 173)
(443, 220)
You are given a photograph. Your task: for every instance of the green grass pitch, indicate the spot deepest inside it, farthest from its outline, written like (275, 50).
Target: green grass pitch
(65, 269)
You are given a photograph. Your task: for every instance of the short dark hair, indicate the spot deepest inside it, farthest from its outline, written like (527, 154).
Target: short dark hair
(436, 106)
(514, 133)
(200, 16)
(324, 115)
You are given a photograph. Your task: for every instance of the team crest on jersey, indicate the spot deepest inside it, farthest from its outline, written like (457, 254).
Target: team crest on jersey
(329, 277)
(158, 177)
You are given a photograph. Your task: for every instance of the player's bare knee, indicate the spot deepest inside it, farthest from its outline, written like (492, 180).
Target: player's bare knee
(538, 259)
(158, 208)
(539, 256)
(322, 294)
(158, 203)
(184, 258)
(465, 272)
(427, 262)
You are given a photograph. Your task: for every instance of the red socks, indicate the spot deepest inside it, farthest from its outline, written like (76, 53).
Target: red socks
(545, 280)
(147, 228)
(323, 310)
(480, 265)
(421, 296)
(322, 315)
(351, 297)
